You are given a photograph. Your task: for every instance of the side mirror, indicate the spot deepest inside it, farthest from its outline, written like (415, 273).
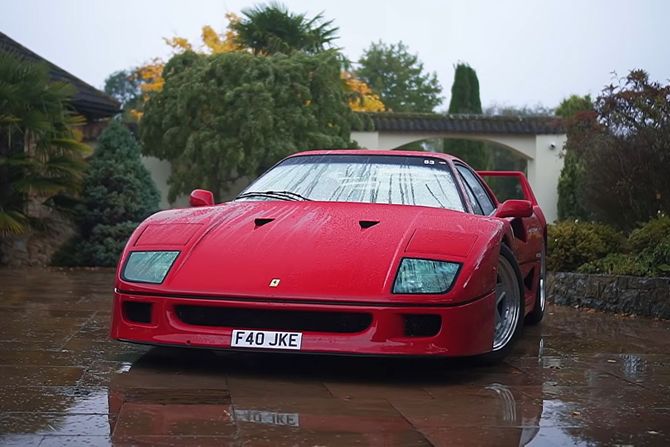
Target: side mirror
(515, 208)
(201, 197)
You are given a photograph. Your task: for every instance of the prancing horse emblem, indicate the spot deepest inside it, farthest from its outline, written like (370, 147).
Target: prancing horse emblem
(274, 282)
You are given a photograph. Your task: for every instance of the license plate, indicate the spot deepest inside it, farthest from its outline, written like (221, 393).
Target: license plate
(266, 339)
(267, 417)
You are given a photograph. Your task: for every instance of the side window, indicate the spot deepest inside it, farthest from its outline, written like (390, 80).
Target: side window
(471, 197)
(482, 198)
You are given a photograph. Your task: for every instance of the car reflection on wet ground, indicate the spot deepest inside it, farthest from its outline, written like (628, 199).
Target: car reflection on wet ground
(579, 378)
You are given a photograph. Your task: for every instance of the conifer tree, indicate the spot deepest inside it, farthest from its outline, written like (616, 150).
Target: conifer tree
(465, 100)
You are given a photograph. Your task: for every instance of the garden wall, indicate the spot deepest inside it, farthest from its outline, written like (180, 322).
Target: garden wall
(36, 247)
(621, 294)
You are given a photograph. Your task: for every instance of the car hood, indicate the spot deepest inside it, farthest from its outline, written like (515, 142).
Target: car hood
(306, 250)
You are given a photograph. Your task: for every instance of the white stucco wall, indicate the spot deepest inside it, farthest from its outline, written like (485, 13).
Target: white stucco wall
(544, 171)
(160, 172)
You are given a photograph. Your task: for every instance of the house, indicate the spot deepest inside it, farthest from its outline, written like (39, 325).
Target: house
(88, 101)
(37, 247)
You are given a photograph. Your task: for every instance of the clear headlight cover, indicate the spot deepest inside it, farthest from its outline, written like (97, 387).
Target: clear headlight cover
(148, 266)
(425, 276)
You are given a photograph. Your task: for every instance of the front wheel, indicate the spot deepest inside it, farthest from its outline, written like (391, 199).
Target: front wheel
(508, 307)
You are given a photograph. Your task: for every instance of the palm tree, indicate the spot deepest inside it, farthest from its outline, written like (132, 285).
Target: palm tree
(40, 150)
(272, 28)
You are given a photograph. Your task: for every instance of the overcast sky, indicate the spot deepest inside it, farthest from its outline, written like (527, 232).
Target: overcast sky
(525, 52)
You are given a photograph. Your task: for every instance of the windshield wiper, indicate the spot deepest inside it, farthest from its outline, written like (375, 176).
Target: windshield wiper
(283, 195)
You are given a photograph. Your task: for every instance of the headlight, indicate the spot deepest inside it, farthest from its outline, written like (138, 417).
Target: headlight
(425, 276)
(148, 266)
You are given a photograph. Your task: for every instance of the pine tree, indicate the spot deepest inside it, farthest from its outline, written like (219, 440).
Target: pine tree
(117, 195)
(465, 99)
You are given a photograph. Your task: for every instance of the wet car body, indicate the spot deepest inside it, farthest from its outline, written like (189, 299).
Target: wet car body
(328, 270)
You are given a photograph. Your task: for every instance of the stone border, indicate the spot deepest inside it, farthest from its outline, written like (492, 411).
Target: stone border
(648, 297)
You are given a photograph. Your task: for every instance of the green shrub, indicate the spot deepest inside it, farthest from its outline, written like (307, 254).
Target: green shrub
(649, 234)
(658, 257)
(616, 264)
(573, 243)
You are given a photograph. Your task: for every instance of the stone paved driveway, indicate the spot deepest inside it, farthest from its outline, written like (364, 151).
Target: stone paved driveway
(581, 378)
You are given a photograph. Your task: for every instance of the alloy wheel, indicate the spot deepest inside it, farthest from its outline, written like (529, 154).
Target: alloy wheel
(507, 306)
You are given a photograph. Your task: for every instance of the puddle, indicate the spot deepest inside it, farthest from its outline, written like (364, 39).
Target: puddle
(581, 378)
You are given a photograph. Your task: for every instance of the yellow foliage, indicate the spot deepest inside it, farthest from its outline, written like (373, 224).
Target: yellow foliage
(363, 99)
(136, 114)
(151, 76)
(221, 43)
(211, 40)
(216, 44)
(179, 44)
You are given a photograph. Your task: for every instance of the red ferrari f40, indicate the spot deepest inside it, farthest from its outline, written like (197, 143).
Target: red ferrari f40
(341, 252)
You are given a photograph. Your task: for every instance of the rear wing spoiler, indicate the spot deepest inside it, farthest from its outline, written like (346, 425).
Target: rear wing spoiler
(521, 178)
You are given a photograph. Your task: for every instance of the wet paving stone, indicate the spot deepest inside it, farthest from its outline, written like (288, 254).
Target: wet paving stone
(580, 378)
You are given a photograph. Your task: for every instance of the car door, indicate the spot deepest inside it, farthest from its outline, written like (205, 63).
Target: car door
(528, 241)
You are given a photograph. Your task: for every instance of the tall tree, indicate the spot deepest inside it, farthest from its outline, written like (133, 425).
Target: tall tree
(272, 28)
(573, 105)
(465, 91)
(465, 100)
(117, 195)
(625, 147)
(399, 78)
(229, 115)
(40, 150)
(576, 111)
(123, 86)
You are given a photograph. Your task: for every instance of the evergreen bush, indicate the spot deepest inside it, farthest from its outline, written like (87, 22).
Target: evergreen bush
(616, 264)
(573, 243)
(649, 234)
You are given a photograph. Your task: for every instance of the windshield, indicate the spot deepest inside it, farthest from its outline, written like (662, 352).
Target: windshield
(400, 180)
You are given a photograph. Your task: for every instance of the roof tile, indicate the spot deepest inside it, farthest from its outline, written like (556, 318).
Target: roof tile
(466, 124)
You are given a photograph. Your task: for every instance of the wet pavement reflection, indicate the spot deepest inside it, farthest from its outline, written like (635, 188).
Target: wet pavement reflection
(580, 378)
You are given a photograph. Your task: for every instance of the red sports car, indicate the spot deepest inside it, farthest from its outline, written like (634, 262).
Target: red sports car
(347, 252)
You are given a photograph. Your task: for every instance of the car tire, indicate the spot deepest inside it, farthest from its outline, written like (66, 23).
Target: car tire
(536, 315)
(508, 272)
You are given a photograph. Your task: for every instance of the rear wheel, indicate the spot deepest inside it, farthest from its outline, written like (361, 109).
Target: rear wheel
(536, 315)
(508, 309)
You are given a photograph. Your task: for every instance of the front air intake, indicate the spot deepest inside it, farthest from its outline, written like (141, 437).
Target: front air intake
(137, 312)
(422, 325)
(274, 320)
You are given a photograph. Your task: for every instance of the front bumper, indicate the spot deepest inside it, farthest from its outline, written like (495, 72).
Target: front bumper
(464, 330)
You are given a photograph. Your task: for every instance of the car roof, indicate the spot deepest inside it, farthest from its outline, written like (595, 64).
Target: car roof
(376, 152)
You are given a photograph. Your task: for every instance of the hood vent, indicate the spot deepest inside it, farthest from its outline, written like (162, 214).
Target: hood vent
(259, 222)
(367, 223)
